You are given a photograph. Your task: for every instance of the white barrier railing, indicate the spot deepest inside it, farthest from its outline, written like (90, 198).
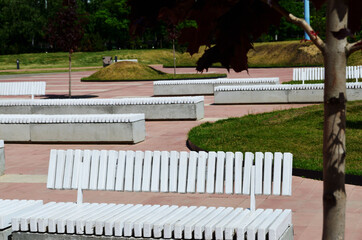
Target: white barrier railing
(317, 73)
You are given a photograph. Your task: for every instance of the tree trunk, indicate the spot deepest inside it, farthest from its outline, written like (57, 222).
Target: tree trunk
(174, 57)
(334, 144)
(70, 77)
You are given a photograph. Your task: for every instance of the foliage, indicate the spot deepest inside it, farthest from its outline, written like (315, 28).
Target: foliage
(298, 131)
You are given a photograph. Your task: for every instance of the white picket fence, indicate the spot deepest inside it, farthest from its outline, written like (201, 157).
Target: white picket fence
(317, 73)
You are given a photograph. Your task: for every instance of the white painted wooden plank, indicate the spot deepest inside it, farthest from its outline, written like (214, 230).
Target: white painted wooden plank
(68, 169)
(210, 181)
(150, 225)
(241, 227)
(238, 172)
(263, 228)
(287, 174)
(259, 159)
(198, 227)
(128, 184)
(191, 173)
(229, 173)
(174, 157)
(60, 169)
(249, 158)
(220, 226)
(252, 228)
(111, 170)
(252, 189)
(220, 164)
(86, 166)
(190, 225)
(209, 228)
(52, 169)
(230, 227)
(165, 161)
(121, 166)
(156, 164)
(158, 226)
(137, 181)
(169, 226)
(180, 225)
(147, 167)
(280, 224)
(147, 219)
(201, 172)
(93, 179)
(90, 222)
(268, 173)
(277, 173)
(182, 177)
(76, 168)
(103, 165)
(33, 219)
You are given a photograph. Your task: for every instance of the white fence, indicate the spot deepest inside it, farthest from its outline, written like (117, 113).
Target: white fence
(317, 73)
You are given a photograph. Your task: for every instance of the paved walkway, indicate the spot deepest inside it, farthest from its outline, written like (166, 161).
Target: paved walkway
(26, 164)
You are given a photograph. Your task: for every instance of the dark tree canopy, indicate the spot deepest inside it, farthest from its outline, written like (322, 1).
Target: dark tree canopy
(232, 25)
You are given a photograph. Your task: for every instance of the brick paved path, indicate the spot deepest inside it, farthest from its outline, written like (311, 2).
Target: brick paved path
(26, 164)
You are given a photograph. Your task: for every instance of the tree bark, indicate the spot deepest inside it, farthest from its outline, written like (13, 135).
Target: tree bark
(334, 143)
(174, 57)
(70, 77)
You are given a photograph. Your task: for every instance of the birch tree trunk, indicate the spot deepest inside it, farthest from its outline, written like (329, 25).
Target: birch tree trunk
(334, 144)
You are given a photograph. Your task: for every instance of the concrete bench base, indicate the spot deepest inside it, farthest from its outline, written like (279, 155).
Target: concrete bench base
(130, 129)
(5, 233)
(175, 108)
(203, 87)
(307, 93)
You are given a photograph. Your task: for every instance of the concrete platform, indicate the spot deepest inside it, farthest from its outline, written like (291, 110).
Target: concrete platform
(161, 108)
(128, 128)
(205, 86)
(283, 93)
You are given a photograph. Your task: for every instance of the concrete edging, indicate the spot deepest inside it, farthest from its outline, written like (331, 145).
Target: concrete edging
(2, 158)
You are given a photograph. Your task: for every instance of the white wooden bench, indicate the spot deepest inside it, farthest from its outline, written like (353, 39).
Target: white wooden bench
(73, 128)
(283, 93)
(205, 86)
(158, 108)
(317, 73)
(173, 172)
(22, 88)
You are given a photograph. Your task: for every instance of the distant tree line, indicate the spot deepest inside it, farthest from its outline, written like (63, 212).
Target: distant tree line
(24, 26)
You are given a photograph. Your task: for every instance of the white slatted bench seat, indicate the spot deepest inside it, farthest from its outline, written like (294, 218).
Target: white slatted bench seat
(283, 93)
(22, 88)
(317, 73)
(203, 87)
(73, 128)
(158, 108)
(173, 172)
(12, 208)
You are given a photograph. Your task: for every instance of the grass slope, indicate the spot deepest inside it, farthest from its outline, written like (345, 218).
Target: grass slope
(299, 131)
(123, 71)
(271, 54)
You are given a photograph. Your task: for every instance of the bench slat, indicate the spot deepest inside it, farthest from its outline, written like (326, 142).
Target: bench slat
(210, 181)
(128, 183)
(60, 170)
(238, 172)
(90, 222)
(259, 159)
(158, 226)
(253, 227)
(229, 173)
(287, 174)
(156, 164)
(169, 226)
(120, 171)
(93, 180)
(100, 222)
(182, 177)
(263, 229)
(191, 176)
(76, 168)
(249, 158)
(165, 158)
(52, 169)
(209, 228)
(180, 225)
(128, 225)
(277, 173)
(280, 224)
(201, 172)
(137, 181)
(219, 182)
(199, 226)
(102, 175)
(268, 173)
(242, 225)
(111, 170)
(68, 170)
(220, 226)
(174, 157)
(86, 169)
(147, 167)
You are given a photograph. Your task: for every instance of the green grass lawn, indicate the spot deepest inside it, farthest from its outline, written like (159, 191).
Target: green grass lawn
(130, 71)
(299, 131)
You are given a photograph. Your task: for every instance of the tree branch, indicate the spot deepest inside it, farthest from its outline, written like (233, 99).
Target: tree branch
(299, 22)
(353, 47)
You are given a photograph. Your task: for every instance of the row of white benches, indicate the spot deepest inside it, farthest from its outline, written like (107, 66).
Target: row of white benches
(178, 172)
(22, 88)
(317, 73)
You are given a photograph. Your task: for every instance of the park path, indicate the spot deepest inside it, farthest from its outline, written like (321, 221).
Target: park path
(26, 164)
